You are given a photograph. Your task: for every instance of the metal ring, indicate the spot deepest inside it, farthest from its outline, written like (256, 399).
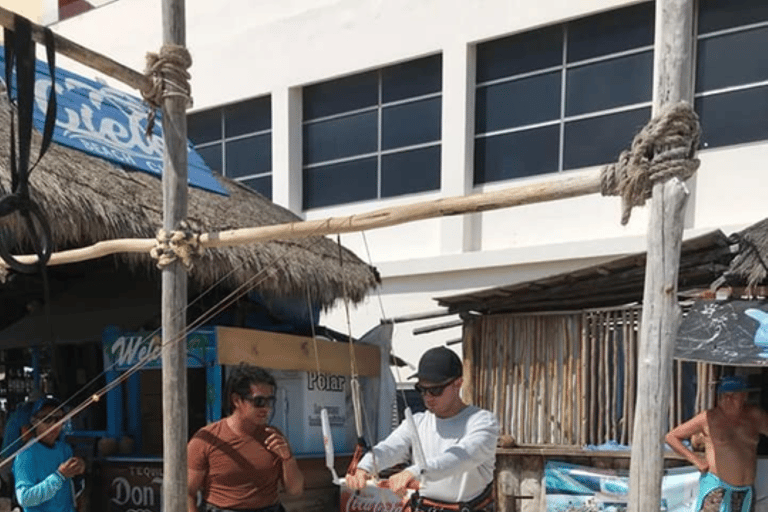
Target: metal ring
(31, 212)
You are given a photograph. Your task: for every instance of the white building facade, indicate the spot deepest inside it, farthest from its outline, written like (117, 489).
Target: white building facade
(341, 107)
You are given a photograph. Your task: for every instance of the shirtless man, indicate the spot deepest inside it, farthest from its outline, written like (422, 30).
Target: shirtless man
(730, 432)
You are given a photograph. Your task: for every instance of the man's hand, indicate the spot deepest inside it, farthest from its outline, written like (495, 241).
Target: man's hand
(399, 483)
(357, 481)
(277, 444)
(702, 464)
(72, 467)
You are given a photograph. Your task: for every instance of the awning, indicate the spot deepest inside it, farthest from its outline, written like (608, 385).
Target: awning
(109, 124)
(81, 314)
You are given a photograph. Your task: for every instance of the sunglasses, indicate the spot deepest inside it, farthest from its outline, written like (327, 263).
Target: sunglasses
(259, 401)
(433, 390)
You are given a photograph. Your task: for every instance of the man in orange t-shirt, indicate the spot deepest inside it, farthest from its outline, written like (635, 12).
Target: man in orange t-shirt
(239, 462)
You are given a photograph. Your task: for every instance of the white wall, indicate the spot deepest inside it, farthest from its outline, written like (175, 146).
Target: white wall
(247, 48)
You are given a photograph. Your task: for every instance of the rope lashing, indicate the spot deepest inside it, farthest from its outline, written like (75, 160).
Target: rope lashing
(182, 244)
(169, 76)
(663, 149)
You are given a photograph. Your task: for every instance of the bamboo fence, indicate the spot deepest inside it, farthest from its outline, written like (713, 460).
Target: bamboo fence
(570, 378)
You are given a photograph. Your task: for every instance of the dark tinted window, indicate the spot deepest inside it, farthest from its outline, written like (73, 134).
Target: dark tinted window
(407, 124)
(262, 185)
(734, 117)
(251, 155)
(204, 126)
(340, 137)
(611, 32)
(732, 59)
(340, 183)
(369, 131)
(611, 83)
(520, 54)
(341, 95)
(516, 155)
(599, 140)
(722, 14)
(248, 116)
(414, 78)
(517, 103)
(412, 171)
(212, 156)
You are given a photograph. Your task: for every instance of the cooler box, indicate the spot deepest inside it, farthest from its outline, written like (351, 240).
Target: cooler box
(300, 398)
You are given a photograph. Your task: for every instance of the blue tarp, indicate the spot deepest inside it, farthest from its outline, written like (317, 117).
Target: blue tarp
(574, 488)
(109, 124)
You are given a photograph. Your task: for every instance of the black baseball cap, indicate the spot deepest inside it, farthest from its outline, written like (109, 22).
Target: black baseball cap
(439, 364)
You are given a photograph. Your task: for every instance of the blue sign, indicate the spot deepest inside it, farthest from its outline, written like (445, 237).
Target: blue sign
(123, 350)
(109, 124)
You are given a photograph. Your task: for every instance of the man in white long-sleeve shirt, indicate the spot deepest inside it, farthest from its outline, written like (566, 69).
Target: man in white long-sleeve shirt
(458, 441)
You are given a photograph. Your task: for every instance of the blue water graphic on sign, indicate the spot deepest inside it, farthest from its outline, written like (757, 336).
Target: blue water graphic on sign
(108, 123)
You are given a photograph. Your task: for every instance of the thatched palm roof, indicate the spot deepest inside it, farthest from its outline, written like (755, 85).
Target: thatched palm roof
(88, 199)
(749, 264)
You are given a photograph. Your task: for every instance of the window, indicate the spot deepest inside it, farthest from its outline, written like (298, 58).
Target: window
(373, 135)
(236, 141)
(563, 97)
(731, 74)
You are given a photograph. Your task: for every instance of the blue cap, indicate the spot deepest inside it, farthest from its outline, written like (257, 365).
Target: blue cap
(46, 401)
(732, 384)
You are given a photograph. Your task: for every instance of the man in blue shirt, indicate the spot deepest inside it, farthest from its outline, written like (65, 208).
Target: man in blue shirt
(44, 471)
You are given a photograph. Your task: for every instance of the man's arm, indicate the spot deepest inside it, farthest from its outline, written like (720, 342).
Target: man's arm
(677, 435)
(195, 479)
(30, 491)
(293, 478)
(197, 470)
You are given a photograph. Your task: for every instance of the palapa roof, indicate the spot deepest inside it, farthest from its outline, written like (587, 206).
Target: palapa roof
(616, 282)
(749, 264)
(87, 200)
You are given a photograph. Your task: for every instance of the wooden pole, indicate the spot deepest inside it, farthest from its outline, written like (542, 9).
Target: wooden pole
(572, 186)
(673, 57)
(174, 282)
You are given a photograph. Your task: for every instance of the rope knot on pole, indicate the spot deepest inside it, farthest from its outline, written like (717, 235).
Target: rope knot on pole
(663, 149)
(168, 75)
(182, 244)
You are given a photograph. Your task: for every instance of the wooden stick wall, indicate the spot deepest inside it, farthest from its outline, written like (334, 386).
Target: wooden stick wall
(570, 378)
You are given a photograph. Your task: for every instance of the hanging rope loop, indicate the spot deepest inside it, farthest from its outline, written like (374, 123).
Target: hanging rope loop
(169, 77)
(181, 244)
(663, 149)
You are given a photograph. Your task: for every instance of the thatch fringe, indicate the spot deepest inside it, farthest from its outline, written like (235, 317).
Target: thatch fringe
(88, 200)
(750, 263)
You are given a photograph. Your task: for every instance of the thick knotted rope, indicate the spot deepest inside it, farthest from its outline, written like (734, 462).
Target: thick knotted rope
(663, 149)
(182, 244)
(169, 76)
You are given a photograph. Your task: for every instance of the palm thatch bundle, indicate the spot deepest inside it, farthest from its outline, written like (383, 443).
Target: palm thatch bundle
(749, 264)
(87, 200)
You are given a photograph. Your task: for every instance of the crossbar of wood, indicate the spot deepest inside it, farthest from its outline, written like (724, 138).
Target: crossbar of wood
(82, 54)
(576, 185)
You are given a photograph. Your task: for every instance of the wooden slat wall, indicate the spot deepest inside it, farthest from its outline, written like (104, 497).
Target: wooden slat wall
(567, 378)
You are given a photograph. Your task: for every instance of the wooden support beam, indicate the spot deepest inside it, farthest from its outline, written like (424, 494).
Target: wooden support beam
(83, 55)
(572, 186)
(289, 352)
(174, 281)
(673, 80)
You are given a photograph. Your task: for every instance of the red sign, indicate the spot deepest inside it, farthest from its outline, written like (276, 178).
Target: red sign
(370, 499)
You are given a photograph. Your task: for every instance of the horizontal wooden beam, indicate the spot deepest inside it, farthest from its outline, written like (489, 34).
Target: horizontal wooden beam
(278, 351)
(82, 54)
(572, 186)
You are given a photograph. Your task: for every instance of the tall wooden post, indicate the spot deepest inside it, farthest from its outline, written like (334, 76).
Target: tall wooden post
(672, 82)
(174, 281)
